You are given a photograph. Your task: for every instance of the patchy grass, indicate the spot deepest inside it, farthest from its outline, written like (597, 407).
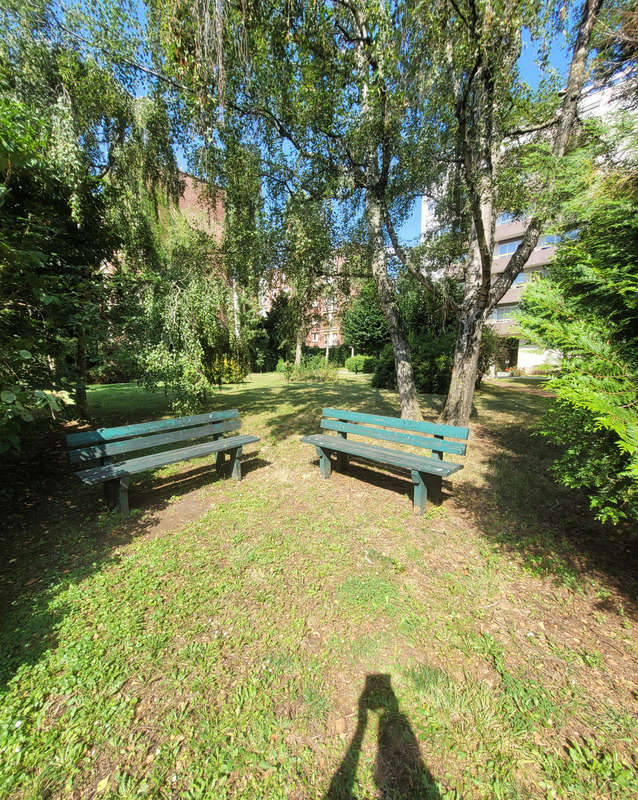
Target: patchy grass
(288, 637)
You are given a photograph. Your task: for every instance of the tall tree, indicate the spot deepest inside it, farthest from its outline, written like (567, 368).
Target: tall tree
(99, 145)
(329, 91)
(495, 124)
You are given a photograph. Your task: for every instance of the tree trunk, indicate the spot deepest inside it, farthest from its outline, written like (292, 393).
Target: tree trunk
(387, 296)
(458, 404)
(236, 325)
(484, 289)
(81, 401)
(298, 348)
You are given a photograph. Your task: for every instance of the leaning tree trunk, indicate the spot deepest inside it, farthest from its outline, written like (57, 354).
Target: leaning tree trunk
(387, 296)
(472, 316)
(458, 405)
(483, 289)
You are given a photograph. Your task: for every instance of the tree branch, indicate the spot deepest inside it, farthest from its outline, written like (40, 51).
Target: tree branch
(533, 129)
(569, 111)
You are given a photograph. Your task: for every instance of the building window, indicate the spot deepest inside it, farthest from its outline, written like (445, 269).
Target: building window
(504, 218)
(549, 240)
(507, 248)
(503, 313)
(331, 305)
(520, 279)
(315, 337)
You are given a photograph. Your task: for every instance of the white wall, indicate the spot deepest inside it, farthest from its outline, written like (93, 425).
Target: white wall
(531, 356)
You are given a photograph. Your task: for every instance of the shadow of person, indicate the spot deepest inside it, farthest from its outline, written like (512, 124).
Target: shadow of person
(399, 773)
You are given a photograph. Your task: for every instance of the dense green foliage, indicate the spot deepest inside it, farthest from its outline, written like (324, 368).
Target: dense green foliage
(51, 286)
(588, 309)
(431, 319)
(361, 363)
(187, 346)
(77, 149)
(364, 326)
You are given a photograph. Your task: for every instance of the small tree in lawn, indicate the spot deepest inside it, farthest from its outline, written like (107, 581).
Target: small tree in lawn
(307, 263)
(364, 325)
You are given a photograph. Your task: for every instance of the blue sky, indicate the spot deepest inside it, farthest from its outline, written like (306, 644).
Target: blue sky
(409, 232)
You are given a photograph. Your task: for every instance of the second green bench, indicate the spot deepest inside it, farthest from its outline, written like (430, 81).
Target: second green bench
(431, 436)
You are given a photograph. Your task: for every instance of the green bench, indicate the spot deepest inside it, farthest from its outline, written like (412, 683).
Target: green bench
(106, 444)
(427, 435)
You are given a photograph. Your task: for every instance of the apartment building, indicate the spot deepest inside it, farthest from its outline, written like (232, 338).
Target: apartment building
(507, 237)
(323, 316)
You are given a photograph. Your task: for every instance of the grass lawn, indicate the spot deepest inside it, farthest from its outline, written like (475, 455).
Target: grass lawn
(287, 637)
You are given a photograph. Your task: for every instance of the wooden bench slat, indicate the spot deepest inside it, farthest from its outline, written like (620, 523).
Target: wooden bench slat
(396, 422)
(432, 466)
(106, 449)
(428, 442)
(125, 431)
(111, 471)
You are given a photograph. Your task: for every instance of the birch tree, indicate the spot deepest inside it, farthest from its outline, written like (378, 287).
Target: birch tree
(329, 91)
(496, 126)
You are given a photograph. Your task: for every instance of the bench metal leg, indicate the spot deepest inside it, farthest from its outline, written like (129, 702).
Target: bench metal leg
(236, 461)
(111, 489)
(219, 461)
(123, 496)
(420, 492)
(342, 458)
(325, 467)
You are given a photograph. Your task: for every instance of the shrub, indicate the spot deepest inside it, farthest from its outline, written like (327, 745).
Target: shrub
(587, 310)
(337, 355)
(361, 363)
(432, 362)
(543, 369)
(313, 368)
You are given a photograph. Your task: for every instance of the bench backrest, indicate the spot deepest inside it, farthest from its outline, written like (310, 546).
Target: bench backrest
(109, 442)
(429, 435)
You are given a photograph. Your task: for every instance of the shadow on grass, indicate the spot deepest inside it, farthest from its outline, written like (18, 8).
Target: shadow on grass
(384, 476)
(292, 408)
(549, 526)
(399, 771)
(65, 540)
